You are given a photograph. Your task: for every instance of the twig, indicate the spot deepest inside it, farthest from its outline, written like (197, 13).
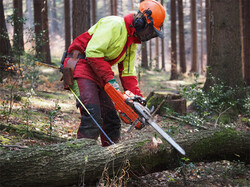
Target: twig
(179, 119)
(159, 106)
(216, 122)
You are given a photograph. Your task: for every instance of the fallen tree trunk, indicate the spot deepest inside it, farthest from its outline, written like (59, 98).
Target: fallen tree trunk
(71, 162)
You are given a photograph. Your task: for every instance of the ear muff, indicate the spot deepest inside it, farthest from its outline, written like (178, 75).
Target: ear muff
(140, 22)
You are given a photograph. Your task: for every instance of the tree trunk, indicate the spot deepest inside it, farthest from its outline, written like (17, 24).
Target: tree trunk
(38, 28)
(144, 55)
(157, 53)
(245, 26)
(194, 67)
(4, 38)
(82, 161)
(81, 17)
(208, 30)
(225, 55)
(201, 39)
(29, 14)
(45, 28)
(174, 74)
(67, 23)
(18, 25)
(150, 54)
(54, 22)
(93, 12)
(113, 7)
(163, 67)
(183, 68)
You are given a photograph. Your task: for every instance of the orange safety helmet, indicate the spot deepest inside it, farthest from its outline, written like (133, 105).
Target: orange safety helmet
(154, 13)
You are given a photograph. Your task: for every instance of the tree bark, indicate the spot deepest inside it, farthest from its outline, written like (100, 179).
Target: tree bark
(18, 25)
(38, 27)
(157, 64)
(4, 39)
(81, 17)
(201, 39)
(245, 27)
(183, 68)
(208, 30)
(163, 67)
(54, 21)
(144, 55)
(174, 74)
(45, 28)
(67, 24)
(93, 12)
(194, 67)
(225, 56)
(66, 163)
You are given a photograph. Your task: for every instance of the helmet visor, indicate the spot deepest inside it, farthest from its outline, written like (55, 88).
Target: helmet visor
(158, 32)
(147, 33)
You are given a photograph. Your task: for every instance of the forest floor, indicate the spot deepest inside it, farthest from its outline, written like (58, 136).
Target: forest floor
(51, 111)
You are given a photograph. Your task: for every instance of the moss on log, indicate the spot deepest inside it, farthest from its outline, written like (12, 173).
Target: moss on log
(69, 163)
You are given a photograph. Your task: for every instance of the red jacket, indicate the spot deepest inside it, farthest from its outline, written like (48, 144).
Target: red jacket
(111, 41)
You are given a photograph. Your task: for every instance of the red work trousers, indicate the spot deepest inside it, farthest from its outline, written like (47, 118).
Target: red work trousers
(101, 108)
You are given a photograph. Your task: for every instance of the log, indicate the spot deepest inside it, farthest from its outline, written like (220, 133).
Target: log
(72, 162)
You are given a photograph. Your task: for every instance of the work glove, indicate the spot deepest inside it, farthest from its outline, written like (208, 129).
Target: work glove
(114, 84)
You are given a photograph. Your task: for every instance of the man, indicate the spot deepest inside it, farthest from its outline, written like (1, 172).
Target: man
(112, 40)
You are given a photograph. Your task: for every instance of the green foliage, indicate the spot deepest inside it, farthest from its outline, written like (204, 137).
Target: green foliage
(218, 102)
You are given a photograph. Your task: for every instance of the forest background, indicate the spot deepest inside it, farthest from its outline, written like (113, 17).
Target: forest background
(204, 57)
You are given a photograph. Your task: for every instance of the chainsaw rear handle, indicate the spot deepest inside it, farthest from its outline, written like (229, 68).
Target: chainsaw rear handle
(127, 114)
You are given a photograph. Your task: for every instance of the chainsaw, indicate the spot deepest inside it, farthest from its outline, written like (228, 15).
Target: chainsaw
(133, 110)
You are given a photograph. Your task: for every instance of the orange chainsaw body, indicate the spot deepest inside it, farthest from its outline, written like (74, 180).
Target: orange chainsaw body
(127, 114)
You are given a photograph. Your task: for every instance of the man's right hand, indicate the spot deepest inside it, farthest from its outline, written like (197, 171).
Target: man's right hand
(114, 84)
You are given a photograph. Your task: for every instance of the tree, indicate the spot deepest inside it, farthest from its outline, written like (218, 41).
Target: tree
(144, 55)
(157, 64)
(174, 74)
(201, 37)
(72, 162)
(81, 17)
(225, 54)
(67, 25)
(38, 27)
(194, 67)
(245, 27)
(4, 38)
(183, 68)
(113, 7)
(54, 23)
(18, 42)
(45, 28)
(93, 12)
(208, 30)
(162, 49)
(150, 54)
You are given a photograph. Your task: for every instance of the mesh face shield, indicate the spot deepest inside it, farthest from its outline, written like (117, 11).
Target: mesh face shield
(147, 33)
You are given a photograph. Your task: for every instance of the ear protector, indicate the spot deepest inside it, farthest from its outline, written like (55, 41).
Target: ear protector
(141, 21)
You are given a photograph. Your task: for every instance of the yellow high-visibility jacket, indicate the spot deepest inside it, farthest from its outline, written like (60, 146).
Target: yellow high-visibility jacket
(110, 41)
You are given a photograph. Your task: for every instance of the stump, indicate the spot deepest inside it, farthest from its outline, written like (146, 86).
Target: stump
(168, 99)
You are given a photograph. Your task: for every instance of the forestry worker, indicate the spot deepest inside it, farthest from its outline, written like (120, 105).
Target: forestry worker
(111, 41)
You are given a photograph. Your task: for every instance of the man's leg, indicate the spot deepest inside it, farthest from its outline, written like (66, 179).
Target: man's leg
(111, 121)
(89, 95)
